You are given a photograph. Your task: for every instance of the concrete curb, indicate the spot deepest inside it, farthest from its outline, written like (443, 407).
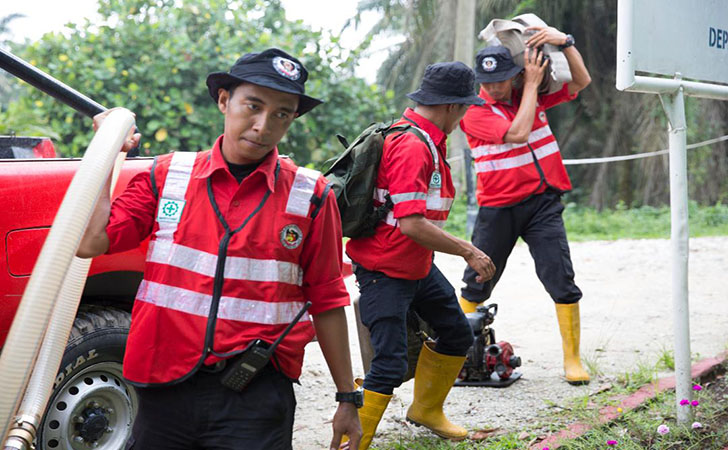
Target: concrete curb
(699, 370)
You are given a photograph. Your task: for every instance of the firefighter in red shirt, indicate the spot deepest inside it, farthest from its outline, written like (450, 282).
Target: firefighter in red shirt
(394, 267)
(241, 238)
(521, 178)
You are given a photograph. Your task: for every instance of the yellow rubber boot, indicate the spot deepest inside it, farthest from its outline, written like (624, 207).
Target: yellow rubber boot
(434, 377)
(370, 414)
(568, 316)
(467, 306)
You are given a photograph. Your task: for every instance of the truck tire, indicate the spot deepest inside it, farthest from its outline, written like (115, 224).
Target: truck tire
(91, 406)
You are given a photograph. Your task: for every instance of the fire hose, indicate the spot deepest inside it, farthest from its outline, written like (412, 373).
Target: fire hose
(54, 288)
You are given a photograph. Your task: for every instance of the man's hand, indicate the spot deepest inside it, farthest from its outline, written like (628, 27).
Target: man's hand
(545, 35)
(346, 421)
(131, 141)
(480, 263)
(534, 67)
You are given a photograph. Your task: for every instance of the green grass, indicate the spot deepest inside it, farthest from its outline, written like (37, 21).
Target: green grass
(587, 224)
(633, 430)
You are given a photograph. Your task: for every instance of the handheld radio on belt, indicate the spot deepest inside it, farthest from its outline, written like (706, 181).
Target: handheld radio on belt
(255, 356)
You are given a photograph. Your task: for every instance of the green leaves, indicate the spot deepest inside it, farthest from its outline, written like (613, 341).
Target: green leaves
(153, 56)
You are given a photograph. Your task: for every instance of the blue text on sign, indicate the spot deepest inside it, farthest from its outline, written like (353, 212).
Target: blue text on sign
(717, 38)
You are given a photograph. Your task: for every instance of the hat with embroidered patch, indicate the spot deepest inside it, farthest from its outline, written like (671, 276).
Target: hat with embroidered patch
(494, 64)
(272, 68)
(447, 83)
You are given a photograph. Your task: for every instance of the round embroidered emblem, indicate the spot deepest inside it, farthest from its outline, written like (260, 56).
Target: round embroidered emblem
(287, 68)
(542, 116)
(291, 236)
(170, 209)
(489, 64)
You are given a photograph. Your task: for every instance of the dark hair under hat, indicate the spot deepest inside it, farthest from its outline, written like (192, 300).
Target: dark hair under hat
(494, 64)
(445, 83)
(272, 68)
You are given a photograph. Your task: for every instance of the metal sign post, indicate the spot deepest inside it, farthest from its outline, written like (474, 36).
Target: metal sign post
(689, 47)
(679, 239)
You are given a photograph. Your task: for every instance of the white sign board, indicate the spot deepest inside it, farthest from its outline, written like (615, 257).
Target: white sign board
(690, 37)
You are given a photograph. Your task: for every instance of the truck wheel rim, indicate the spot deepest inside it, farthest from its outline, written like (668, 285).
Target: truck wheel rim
(93, 410)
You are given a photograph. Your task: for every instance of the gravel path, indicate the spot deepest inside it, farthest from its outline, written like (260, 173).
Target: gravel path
(626, 320)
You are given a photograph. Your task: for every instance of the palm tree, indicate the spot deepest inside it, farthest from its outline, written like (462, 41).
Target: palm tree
(602, 122)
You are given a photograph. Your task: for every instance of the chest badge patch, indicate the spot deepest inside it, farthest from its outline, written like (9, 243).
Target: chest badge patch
(436, 180)
(170, 210)
(542, 116)
(291, 236)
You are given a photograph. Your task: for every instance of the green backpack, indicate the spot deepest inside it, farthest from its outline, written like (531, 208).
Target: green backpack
(353, 177)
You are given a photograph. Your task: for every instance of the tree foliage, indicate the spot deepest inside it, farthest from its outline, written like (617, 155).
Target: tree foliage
(601, 122)
(153, 56)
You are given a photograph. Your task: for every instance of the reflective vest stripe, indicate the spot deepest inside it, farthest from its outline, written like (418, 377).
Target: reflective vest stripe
(175, 188)
(390, 220)
(516, 161)
(231, 308)
(495, 149)
(498, 111)
(299, 200)
(408, 196)
(433, 149)
(437, 203)
(236, 268)
(433, 198)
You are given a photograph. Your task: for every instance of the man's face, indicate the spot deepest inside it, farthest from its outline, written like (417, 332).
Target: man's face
(256, 119)
(499, 91)
(455, 115)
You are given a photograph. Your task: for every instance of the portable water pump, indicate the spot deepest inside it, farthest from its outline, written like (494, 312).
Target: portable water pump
(488, 363)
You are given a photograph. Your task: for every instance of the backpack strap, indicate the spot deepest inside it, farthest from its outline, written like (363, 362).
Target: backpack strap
(318, 201)
(421, 135)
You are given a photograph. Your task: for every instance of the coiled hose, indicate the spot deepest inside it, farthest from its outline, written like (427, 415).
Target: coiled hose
(51, 268)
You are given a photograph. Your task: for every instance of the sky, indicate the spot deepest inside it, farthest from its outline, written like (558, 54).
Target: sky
(43, 16)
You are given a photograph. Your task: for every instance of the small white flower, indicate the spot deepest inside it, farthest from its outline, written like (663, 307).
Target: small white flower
(697, 425)
(663, 429)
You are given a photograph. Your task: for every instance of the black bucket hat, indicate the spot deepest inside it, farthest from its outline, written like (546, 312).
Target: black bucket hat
(445, 83)
(494, 64)
(272, 68)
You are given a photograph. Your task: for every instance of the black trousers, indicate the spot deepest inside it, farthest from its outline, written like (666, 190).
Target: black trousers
(201, 414)
(538, 221)
(383, 305)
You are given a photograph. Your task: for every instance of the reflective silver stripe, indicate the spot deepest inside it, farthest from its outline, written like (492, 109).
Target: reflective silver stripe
(390, 220)
(498, 111)
(175, 188)
(516, 161)
(380, 195)
(433, 197)
(539, 133)
(231, 308)
(408, 196)
(299, 199)
(431, 145)
(494, 149)
(236, 268)
(437, 203)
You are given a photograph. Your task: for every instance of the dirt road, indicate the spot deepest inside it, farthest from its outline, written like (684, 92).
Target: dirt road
(626, 320)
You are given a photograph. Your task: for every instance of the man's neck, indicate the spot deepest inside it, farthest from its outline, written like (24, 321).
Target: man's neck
(432, 115)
